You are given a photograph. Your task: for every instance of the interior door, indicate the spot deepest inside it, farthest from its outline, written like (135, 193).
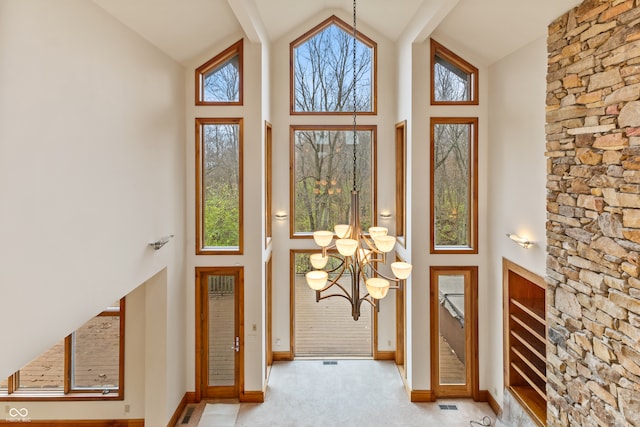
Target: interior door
(454, 332)
(219, 353)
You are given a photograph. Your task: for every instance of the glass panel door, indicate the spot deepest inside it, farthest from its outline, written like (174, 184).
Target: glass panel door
(219, 300)
(222, 336)
(454, 331)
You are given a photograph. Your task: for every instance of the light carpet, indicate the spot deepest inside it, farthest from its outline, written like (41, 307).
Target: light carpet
(219, 415)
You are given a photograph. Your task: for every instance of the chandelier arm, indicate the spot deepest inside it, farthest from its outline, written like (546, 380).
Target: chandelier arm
(331, 295)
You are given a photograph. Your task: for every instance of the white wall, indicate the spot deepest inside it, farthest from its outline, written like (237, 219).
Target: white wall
(517, 172)
(91, 170)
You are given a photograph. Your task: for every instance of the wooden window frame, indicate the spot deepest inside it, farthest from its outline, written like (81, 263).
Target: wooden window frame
(439, 50)
(200, 248)
(268, 183)
(374, 171)
(15, 393)
(472, 221)
(333, 20)
(230, 52)
(401, 182)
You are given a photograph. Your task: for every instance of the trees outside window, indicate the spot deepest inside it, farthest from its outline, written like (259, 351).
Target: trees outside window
(454, 183)
(219, 80)
(323, 176)
(219, 181)
(322, 70)
(453, 80)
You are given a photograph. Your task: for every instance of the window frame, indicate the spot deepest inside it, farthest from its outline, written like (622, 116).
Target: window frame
(292, 169)
(472, 222)
(200, 248)
(230, 52)
(401, 182)
(268, 182)
(333, 20)
(15, 393)
(439, 50)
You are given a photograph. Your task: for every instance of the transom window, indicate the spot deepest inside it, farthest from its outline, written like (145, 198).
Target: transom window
(219, 80)
(322, 176)
(322, 70)
(453, 80)
(87, 364)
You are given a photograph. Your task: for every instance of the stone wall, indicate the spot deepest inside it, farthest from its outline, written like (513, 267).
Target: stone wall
(593, 215)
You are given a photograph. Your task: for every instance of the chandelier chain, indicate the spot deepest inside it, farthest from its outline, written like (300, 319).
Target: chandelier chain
(354, 96)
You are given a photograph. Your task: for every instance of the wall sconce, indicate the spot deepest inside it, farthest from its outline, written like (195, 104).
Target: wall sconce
(385, 215)
(281, 215)
(160, 243)
(522, 241)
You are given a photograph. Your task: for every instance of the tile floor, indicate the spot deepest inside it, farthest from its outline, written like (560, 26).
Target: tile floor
(308, 393)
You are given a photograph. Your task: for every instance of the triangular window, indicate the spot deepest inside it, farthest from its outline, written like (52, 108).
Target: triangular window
(453, 80)
(322, 70)
(219, 80)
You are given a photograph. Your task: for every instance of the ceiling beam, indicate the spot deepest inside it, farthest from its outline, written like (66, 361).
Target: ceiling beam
(247, 14)
(429, 15)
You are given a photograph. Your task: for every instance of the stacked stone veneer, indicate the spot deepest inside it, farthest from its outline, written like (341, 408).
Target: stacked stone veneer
(593, 212)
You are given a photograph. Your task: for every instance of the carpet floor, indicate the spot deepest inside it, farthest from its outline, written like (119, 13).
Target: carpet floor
(309, 393)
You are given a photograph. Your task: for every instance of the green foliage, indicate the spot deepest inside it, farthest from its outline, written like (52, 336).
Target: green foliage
(221, 216)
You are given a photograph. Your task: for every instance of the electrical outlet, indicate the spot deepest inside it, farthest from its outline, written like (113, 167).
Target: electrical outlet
(389, 343)
(278, 342)
(127, 408)
(7, 409)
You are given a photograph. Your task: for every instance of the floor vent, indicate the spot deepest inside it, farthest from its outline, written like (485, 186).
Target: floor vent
(329, 362)
(448, 407)
(188, 415)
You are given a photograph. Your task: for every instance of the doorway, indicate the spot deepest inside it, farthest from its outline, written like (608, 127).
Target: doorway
(454, 331)
(219, 344)
(326, 328)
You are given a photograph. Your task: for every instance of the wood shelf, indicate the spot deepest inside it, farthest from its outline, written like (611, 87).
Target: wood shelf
(525, 339)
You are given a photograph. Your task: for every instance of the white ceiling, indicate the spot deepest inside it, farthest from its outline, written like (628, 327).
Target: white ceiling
(491, 28)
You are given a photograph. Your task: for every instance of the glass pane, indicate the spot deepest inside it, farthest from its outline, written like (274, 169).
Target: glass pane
(221, 185)
(326, 328)
(451, 182)
(450, 82)
(451, 326)
(222, 84)
(323, 178)
(323, 73)
(46, 371)
(222, 338)
(96, 354)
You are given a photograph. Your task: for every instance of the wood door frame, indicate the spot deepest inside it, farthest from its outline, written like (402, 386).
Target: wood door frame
(401, 324)
(269, 310)
(471, 388)
(202, 327)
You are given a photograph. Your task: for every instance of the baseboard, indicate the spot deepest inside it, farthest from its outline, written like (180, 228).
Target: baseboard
(422, 396)
(493, 403)
(252, 396)
(384, 355)
(481, 396)
(82, 423)
(282, 356)
(189, 397)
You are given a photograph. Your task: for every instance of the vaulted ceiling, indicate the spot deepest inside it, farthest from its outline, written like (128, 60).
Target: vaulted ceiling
(491, 28)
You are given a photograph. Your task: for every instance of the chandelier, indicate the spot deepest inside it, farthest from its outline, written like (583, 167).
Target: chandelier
(359, 255)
